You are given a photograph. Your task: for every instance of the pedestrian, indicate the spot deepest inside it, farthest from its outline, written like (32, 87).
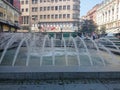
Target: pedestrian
(93, 35)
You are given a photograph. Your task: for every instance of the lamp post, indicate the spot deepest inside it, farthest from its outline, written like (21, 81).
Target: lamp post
(61, 34)
(39, 26)
(34, 19)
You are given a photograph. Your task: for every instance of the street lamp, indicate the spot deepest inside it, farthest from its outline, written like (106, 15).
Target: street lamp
(39, 27)
(61, 33)
(61, 30)
(34, 18)
(33, 23)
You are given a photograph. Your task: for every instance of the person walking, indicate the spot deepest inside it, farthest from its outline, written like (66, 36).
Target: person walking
(93, 35)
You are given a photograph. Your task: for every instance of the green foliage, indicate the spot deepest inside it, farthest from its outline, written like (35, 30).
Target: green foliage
(88, 26)
(103, 30)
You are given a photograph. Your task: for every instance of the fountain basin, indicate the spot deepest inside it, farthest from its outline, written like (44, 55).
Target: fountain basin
(51, 58)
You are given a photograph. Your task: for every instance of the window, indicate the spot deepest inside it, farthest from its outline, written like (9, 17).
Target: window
(60, 7)
(40, 1)
(68, 15)
(60, 15)
(52, 8)
(44, 16)
(64, 15)
(75, 16)
(22, 10)
(56, 0)
(26, 1)
(44, 0)
(74, 0)
(26, 9)
(48, 0)
(52, 0)
(22, 2)
(48, 16)
(68, 7)
(34, 1)
(64, 7)
(113, 11)
(1, 14)
(48, 8)
(25, 20)
(40, 8)
(44, 8)
(56, 16)
(34, 9)
(76, 7)
(40, 16)
(52, 16)
(56, 7)
(34, 17)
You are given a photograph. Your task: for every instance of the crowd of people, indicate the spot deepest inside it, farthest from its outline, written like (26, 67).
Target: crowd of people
(93, 35)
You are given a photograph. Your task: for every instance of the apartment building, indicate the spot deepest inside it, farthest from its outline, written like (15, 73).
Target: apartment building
(91, 14)
(25, 14)
(52, 15)
(9, 17)
(108, 15)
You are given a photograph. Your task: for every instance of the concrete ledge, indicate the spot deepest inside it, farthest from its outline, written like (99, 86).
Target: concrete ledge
(60, 75)
(54, 72)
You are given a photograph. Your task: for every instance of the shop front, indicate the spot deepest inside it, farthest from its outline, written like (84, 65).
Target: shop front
(5, 28)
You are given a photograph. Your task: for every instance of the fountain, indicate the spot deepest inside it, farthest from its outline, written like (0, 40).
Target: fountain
(34, 53)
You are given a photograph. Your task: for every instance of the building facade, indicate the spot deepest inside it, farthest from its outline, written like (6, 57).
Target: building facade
(108, 16)
(25, 16)
(91, 15)
(52, 15)
(16, 3)
(9, 17)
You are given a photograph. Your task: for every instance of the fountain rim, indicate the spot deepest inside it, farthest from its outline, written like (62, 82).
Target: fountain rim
(47, 69)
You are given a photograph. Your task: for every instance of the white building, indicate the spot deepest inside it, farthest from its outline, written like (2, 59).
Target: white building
(51, 15)
(108, 15)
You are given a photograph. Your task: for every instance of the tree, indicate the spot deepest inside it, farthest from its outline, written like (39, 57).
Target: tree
(88, 26)
(103, 30)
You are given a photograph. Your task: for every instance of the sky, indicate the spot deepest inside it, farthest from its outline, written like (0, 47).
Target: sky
(86, 5)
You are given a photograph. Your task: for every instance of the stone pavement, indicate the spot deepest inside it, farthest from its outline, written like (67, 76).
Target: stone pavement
(86, 84)
(62, 87)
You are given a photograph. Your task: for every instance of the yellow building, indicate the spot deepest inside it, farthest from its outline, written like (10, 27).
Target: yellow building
(9, 17)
